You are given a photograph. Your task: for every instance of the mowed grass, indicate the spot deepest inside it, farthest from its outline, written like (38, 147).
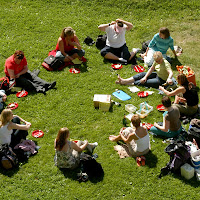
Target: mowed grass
(34, 27)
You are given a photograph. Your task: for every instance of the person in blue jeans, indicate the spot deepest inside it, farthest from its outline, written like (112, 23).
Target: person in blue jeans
(153, 79)
(171, 126)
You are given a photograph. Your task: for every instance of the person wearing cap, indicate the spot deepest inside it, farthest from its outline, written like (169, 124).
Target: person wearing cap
(16, 69)
(116, 48)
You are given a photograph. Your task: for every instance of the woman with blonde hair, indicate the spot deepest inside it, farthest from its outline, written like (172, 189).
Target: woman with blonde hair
(68, 47)
(68, 152)
(153, 79)
(11, 131)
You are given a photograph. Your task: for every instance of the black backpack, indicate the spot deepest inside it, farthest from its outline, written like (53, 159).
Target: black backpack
(53, 62)
(101, 41)
(179, 154)
(4, 83)
(8, 158)
(145, 45)
(91, 167)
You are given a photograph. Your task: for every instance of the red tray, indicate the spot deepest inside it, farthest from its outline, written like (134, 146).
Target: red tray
(143, 94)
(148, 125)
(22, 93)
(138, 68)
(116, 66)
(161, 108)
(74, 70)
(37, 133)
(12, 106)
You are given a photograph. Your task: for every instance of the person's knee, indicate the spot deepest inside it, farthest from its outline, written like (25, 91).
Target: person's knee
(103, 53)
(81, 53)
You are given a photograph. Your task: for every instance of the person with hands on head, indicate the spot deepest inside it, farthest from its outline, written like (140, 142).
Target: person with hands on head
(116, 48)
(161, 41)
(186, 96)
(11, 131)
(68, 46)
(152, 79)
(171, 126)
(16, 69)
(68, 152)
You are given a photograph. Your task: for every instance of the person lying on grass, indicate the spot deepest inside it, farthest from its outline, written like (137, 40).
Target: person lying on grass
(116, 48)
(11, 131)
(186, 96)
(161, 41)
(68, 152)
(136, 139)
(152, 79)
(16, 69)
(68, 47)
(171, 123)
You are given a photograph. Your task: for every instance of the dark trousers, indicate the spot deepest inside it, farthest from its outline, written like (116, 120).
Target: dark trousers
(17, 135)
(31, 82)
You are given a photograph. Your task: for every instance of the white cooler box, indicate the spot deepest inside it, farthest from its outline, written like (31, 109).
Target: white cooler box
(102, 101)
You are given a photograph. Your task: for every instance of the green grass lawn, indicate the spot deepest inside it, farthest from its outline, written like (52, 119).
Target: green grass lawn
(34, 27)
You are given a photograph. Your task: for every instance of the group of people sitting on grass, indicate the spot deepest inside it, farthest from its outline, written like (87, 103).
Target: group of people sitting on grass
(136, 137)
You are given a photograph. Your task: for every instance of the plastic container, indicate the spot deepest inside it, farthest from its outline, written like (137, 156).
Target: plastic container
(144, 110)
(130, 108)
(187, 171)
(191, 78)
(195, 159)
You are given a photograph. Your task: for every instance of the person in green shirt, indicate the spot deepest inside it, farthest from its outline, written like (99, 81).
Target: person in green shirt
(152, 79)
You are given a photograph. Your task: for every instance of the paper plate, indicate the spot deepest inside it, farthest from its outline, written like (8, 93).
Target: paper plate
(12, 106)
(138, 68)
(37, 133)
(74, 70)
(142, 94)
(161, 108)
(22, 93)
(148, 125)
(116, 66)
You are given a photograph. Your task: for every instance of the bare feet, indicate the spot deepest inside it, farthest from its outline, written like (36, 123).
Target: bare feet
(112, 138)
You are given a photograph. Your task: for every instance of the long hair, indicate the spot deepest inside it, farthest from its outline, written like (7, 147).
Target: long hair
(63, 133)
(67, 31)
(4, 117)
(182, 80)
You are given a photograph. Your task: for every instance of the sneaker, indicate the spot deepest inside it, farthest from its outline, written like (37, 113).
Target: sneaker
(123, 60)
(136, 50)
(91, 146)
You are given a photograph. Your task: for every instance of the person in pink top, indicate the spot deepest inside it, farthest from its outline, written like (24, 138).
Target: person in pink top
(68, 46)
(16, 69)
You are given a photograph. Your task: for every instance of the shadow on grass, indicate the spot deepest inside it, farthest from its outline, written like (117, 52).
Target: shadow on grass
(175, 62)
(151, 160)
(72, 174)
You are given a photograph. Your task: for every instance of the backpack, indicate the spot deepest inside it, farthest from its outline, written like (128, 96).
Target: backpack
(53, 62)
(4, 83)
(9, 159)
(179, 154)
(90, 166)
(145, 45)
(101, 41)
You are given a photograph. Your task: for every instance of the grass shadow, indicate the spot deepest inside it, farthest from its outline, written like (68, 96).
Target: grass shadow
(151, 160)
(175, 62)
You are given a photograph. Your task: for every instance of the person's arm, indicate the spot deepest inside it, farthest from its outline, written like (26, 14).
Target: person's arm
(11, 73)
(169, 79)
(103, 27)
(177, 91)
(165, 126)
(129, 25)
(81, 148)
(75, 43)
(144, 79)
(25, 126)
(22, 72)
(61, 46)
(130, 137)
